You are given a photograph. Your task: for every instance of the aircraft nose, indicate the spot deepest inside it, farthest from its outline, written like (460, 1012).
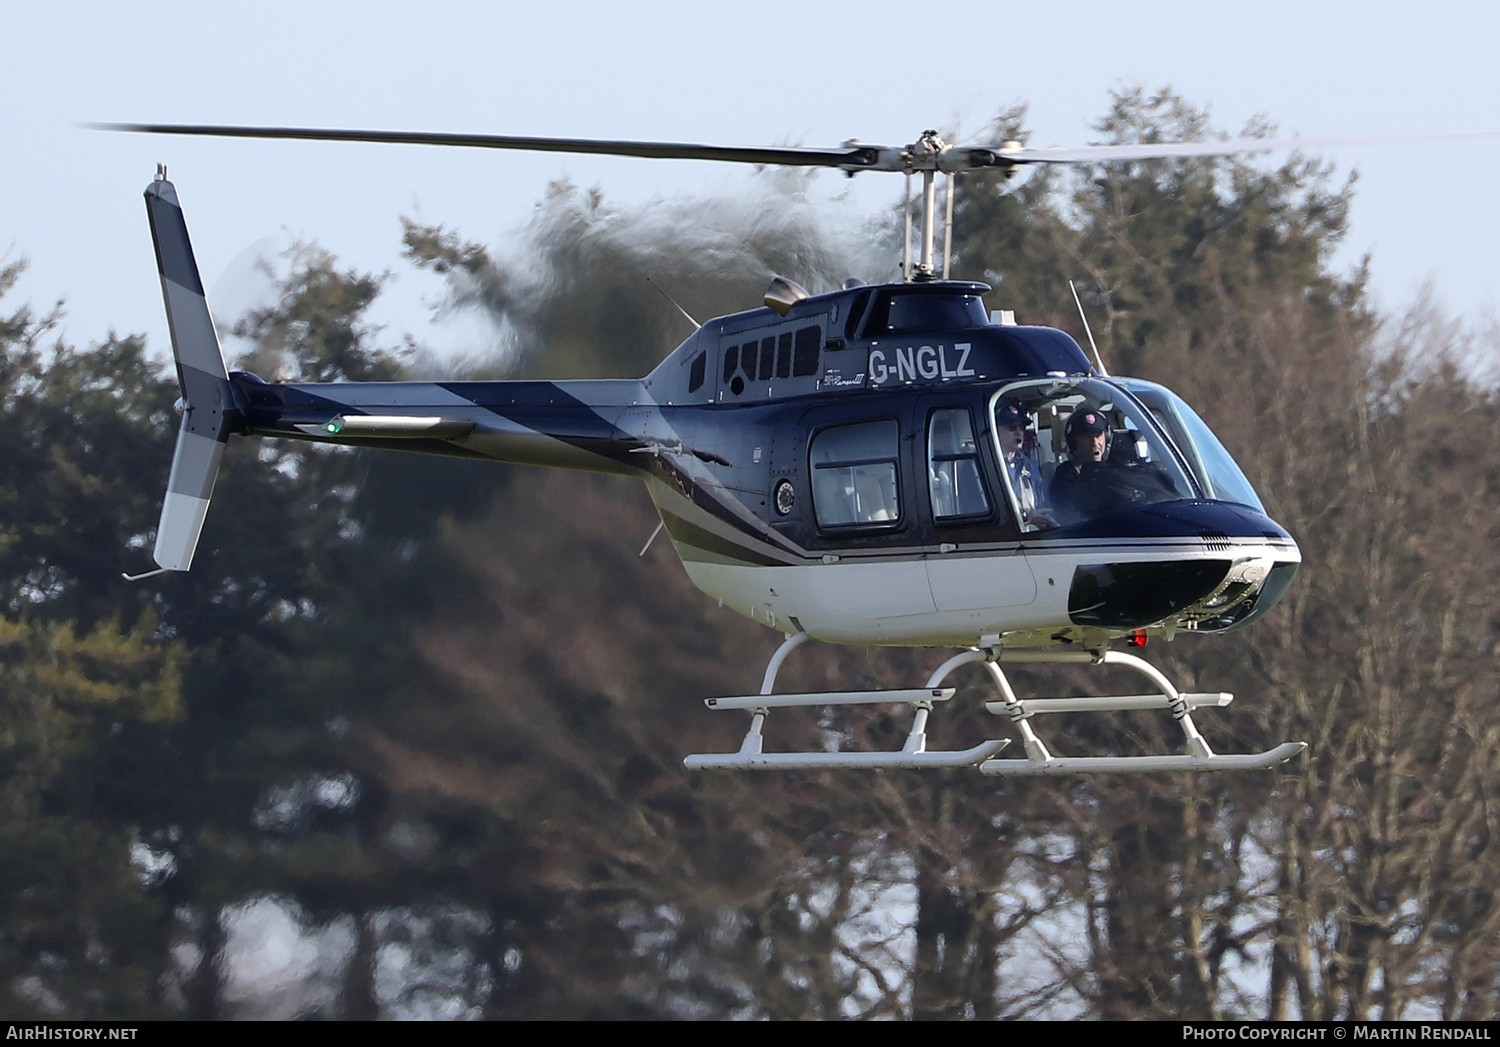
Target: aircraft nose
(1138, 594)
(1240, 567)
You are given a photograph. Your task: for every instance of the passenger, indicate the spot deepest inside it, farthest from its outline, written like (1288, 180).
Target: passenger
(1025, 477)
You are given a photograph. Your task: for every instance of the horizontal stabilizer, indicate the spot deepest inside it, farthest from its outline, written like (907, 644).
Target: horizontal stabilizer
(207, 402)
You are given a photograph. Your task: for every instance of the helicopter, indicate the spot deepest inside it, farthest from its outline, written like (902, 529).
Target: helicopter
(883, 465)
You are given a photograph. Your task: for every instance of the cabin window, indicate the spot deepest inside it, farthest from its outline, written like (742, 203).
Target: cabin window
(767, 359)
(925, 312)
(854, 475)
(809, 343)
(697, 372)
(916, 312)
(953, 474)
(784, 356)
(856, 312)
(781, 356)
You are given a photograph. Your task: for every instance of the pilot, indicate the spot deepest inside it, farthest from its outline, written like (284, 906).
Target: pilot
(1025, 477)
(1074, 484)
(1097, 481)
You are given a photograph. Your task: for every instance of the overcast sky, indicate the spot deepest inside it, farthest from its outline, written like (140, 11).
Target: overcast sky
(814, 73)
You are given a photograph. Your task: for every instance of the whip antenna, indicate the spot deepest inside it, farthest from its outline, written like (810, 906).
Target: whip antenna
(1086, 330)
(696, 325)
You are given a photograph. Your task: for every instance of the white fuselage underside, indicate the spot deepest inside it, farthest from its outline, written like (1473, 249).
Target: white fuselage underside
(943, 599)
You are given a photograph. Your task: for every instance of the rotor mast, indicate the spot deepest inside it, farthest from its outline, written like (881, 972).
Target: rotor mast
(925, 156)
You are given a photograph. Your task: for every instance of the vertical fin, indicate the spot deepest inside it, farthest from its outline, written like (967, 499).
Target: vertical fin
(208, 413)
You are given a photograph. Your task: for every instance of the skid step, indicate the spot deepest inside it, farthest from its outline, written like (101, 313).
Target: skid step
(910, 696)
(1114, 703)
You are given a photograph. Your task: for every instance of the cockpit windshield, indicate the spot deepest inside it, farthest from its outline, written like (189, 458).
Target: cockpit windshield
(1216, 471)
(1076, 449)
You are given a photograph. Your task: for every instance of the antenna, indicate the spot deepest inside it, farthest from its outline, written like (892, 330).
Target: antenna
(696, 325)
(1087, 330)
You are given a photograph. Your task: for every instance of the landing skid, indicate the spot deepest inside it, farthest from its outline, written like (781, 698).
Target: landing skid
(913, 754)
(1039, 760)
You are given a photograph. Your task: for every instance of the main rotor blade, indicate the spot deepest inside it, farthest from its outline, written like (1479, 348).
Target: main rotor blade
(1227, 147)
(852, 157)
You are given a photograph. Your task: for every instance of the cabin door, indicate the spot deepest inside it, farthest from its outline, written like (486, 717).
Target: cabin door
(978, 562)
